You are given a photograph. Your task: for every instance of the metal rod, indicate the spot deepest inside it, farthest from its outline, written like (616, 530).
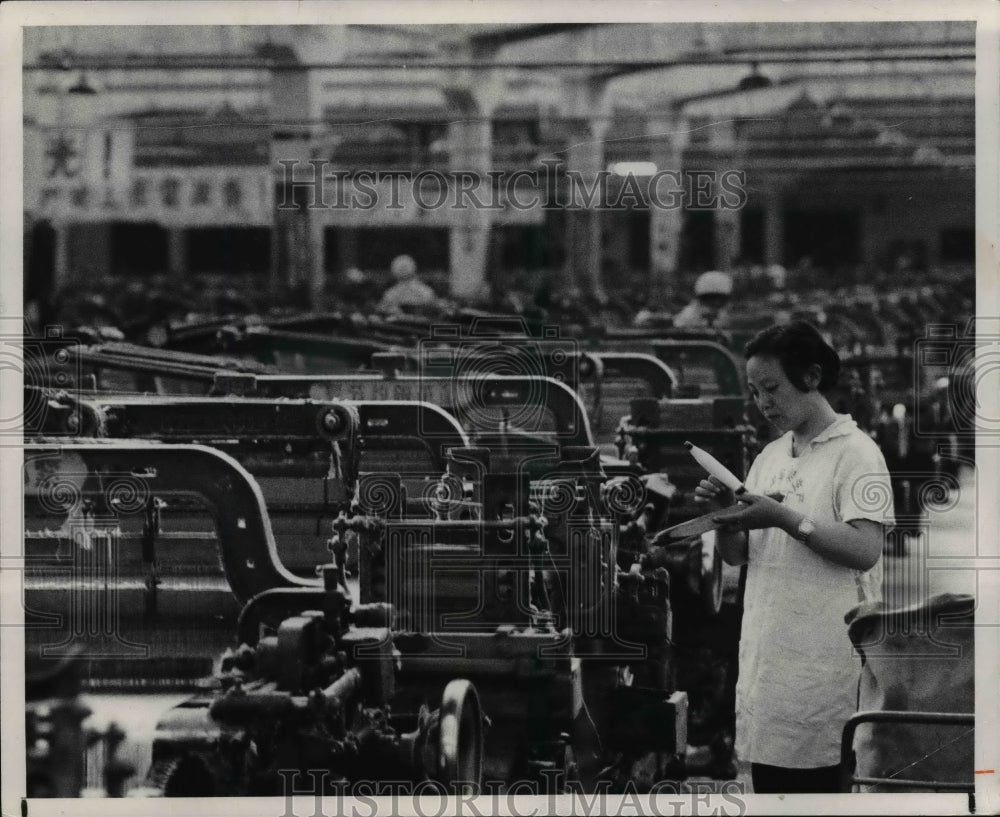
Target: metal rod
(257, 64)
(848, 757)
(750, 52)
(904, 716)
(933, 785)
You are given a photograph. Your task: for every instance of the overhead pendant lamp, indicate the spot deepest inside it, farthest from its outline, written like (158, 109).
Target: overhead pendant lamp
(82, 86)
(754, 80)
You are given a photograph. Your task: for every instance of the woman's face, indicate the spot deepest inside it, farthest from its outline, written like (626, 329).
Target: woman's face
(779, 401)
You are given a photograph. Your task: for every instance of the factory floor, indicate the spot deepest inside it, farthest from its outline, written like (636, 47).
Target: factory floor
(937, 561)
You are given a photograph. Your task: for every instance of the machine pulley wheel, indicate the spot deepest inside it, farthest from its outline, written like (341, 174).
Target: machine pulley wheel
(460, 739)
(710, 589)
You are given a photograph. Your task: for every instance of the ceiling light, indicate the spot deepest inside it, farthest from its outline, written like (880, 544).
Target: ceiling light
(82, 86)
(633, 168)
(754, 80)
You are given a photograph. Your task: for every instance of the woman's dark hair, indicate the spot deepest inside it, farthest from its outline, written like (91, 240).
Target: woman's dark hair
(797, 346)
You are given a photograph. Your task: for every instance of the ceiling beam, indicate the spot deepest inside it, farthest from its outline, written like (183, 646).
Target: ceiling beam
(497, 38)
(610, 68)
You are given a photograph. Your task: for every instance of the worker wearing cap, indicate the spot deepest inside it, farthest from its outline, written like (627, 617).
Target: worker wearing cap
(355, 291)
(712, 292)
(409, 292)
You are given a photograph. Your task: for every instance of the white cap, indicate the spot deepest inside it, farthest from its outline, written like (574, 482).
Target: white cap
(403, 267)
(714, 283)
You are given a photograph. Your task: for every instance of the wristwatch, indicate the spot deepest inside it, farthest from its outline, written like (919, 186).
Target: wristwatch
(805, 529)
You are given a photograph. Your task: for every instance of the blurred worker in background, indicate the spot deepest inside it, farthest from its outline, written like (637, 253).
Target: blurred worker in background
(712, 292)
(409, 292)
(778, 275)
(356, 293)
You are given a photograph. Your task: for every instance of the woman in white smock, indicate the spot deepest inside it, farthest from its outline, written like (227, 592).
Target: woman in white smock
(810, 531)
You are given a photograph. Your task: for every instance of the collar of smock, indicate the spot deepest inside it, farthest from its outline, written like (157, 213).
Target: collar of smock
(840, 427)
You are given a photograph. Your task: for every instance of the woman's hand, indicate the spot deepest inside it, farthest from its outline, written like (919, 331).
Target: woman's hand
(712, 491)
(757, 512)
(730, 541)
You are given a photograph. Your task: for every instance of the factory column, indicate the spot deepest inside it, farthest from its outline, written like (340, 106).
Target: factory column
(726, 221)
(667, 137)
(728, 238)
(472, 97)
(589, 118)
(585, 247)
(61, 271)
(297, 229)
(774, 229)
(470, 160)
(176, 252)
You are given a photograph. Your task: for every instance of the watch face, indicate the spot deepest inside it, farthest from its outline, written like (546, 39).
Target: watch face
(806, 527)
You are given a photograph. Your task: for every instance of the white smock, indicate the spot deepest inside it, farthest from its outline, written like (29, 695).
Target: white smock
(407, 294)
(695, 316)
(798, 672)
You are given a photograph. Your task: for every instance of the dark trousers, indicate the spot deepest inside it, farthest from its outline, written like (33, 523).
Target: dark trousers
(779, 780)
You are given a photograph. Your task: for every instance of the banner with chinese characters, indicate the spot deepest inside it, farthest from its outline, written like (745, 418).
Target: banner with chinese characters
(87, 175)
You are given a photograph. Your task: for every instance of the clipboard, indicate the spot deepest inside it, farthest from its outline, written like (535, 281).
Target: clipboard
(692, 527)
(700, 524)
